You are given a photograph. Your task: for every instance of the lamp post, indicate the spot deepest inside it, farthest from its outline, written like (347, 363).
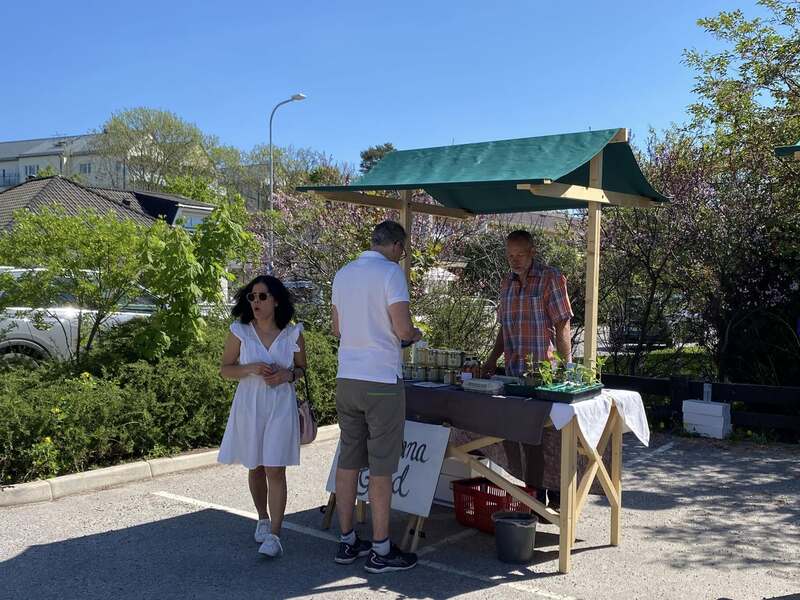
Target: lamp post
(295, 98)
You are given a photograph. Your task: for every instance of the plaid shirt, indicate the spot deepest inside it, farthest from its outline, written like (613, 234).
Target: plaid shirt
(528, 311)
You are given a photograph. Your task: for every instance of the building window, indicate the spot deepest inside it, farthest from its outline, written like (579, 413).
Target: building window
(191, 221)
(85, 168)
(31, 170)
(118, 166)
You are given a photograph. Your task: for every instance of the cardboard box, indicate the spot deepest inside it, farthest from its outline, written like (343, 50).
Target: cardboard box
(707, 408)
(709, 419)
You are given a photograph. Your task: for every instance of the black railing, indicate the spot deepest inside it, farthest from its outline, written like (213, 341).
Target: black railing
(751, 405)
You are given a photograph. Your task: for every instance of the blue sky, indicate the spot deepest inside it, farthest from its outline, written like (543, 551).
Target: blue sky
(416, 73)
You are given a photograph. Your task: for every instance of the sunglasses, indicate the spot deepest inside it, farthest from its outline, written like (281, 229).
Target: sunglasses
(251, 297)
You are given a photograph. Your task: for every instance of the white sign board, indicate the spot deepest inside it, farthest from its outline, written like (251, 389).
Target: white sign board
(414, 482)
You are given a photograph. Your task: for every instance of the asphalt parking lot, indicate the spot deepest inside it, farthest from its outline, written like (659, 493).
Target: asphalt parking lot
(701, 520)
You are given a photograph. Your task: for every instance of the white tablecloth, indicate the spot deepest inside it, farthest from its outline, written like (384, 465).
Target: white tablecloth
(592, 415)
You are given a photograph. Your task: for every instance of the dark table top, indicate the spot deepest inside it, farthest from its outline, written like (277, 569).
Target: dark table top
(508, 417)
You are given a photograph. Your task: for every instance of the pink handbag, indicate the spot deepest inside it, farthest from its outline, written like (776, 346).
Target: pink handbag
(308, 422)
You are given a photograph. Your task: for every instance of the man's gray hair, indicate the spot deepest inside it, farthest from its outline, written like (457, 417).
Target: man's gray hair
(387, 233)
(520, 236)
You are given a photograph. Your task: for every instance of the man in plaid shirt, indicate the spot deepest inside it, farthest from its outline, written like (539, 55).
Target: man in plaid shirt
(534, 310)
(534, 314)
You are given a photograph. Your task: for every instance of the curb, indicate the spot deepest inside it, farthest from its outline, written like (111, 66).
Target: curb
(98, 479)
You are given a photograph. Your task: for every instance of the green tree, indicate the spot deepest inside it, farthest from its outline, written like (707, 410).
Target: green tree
(89, 261)
(48, 171)
(726, 250)
(373, 154)
(744, 230)
(154, 145)
(186, 271)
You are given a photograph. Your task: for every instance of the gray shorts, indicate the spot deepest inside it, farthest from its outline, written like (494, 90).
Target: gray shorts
(372, 418)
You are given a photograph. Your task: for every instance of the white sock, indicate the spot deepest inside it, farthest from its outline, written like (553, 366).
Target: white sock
(349, 538)
(382, 548)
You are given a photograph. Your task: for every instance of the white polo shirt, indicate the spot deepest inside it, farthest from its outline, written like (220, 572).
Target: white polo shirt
(363, 291)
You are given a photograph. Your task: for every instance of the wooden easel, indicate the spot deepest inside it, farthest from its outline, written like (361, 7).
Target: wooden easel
(414, 529)
(330, 509)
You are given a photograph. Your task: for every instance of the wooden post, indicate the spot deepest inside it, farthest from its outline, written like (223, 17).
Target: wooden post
(592, 266)
(418, 533)
(329, 510)
(569, 476)
(410, 529)
(616, 476)
(407, 220)
(361, 511)
(592, 285)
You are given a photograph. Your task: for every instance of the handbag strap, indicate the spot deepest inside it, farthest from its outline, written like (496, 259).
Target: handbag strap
(308, 391)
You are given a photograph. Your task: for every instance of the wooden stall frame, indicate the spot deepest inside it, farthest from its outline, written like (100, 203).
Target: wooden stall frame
(573, 493)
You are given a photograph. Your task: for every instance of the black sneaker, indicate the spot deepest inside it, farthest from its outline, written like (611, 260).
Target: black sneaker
(348, 553)
(396, 560)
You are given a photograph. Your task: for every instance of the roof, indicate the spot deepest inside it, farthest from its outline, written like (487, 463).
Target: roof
(793, 150)
(72, 197)
(154, 204)
(73, 144)
(485, 177)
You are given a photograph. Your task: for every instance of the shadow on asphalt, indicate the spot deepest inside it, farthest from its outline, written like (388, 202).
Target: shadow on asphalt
(211, 554)
(731, 497)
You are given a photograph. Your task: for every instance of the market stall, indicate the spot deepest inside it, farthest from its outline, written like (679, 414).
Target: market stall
(588, 170)
(792, 151)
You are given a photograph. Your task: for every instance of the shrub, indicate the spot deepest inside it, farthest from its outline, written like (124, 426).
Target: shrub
(122, 407)
(322, 365)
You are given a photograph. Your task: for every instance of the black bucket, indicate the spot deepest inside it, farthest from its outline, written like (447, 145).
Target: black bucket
(515, 534)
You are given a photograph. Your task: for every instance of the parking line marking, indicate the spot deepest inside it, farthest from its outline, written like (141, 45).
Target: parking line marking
(497, 580)
(663, 448)
(648, 455)
(250, 515)
(448, 540)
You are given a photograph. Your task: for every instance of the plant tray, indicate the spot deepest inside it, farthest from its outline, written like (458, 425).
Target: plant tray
(558, 393)
(525, 391)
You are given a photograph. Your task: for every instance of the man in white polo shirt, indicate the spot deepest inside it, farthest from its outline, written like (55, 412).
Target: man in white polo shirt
(371, 317)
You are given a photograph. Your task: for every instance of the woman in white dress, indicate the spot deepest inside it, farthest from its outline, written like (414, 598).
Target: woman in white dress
(266, 354)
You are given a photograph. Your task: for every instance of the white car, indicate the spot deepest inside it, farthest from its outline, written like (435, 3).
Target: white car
(42, 333)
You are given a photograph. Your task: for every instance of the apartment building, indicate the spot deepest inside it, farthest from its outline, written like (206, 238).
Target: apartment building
(68, 156)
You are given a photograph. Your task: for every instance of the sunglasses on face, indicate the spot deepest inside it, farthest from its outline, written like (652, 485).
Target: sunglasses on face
(251, 297)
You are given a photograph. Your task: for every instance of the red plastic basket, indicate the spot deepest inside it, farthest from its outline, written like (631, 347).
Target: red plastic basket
(476, 500)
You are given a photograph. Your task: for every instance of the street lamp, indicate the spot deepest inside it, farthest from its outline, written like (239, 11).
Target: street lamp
(295, 98)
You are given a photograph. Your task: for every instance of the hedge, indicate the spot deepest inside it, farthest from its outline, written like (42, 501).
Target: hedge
(118, 407)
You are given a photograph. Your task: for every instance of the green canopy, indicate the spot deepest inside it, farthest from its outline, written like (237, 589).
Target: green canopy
(788, 150)
(496, 177)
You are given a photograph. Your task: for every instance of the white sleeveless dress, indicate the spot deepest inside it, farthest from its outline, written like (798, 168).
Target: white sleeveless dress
(263, 427)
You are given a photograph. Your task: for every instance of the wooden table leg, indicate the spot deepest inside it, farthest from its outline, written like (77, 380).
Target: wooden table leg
(329, 510)
(569, 476)
(361, 511)
(616, 476)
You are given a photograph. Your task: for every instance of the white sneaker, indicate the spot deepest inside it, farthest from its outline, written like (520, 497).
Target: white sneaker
(271, 546)
(262, 530)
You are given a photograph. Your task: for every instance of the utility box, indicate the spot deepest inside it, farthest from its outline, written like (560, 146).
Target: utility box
(709, 419)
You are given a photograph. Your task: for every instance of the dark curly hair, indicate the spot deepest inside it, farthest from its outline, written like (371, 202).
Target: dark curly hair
(284, 311)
